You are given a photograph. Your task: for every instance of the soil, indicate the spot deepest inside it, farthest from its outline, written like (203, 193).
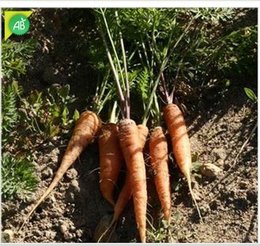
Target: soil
(228, 200)
(222, 133)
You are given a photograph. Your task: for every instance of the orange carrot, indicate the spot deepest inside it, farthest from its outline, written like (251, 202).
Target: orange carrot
(126, 192)
(159, 160)
(180, 142)
(110, 160)
(143, 133)
(132, 151)
(84, 132)
(123, 198)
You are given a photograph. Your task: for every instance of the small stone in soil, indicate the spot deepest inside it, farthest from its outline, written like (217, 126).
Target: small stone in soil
(219, 153)
(7, 235)
(31, 198)
(68, 236)
(50, 234)
(210, 170)
(243, 184)
(71, 174)
(72, 228)
(63, 229)
(74, 186)
(204, 209)
(51, 199)
(47, 173)
(220, 162)
(79, 233)
(54, 155)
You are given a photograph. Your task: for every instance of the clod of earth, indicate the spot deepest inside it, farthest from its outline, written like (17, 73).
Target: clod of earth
(71, 174)
(7, 236)
(219, 153)
(210, 170)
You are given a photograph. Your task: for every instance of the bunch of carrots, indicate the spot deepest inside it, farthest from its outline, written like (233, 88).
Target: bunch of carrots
(122, 141)
(125, 141)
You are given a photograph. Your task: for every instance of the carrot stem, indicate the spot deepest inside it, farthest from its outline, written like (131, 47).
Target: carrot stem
(102, 95)
(123, 95)
(167, 96)
(113, 46)
(147, 111)
(113, 118)
(127, 94)
(115, 73)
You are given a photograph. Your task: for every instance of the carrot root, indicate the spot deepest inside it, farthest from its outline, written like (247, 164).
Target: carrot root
(143, 133)
(132, 151)
(126, 192)
(110, 160)
(159, 161)
(84, 132)
(181, 144)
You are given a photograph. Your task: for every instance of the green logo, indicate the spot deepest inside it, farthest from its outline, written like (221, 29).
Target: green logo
(19, 24)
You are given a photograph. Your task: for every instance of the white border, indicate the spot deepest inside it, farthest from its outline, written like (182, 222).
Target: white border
(137, 4)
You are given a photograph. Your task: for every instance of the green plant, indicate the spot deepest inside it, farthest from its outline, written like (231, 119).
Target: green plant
(161, 234)
(250, 94)
(47, 112)
(40, 116)
(18, 176)
(16, 57)
(201, 44)
(235, 53)
(10, 114)
(26, 123)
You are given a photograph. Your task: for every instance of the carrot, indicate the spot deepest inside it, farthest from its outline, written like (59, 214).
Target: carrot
(110, 160)
(128, 131)
(132, 152)
(85, 129)
(126, 192)
(159, 160)
(123, 198)
(143, 133)
(180, 142)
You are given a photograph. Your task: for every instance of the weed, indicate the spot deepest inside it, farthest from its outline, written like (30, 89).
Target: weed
(28, 120)
(16, 57)
(18, 177)
(250, 94)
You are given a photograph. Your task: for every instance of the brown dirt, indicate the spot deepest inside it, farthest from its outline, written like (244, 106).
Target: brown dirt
(228, 202)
